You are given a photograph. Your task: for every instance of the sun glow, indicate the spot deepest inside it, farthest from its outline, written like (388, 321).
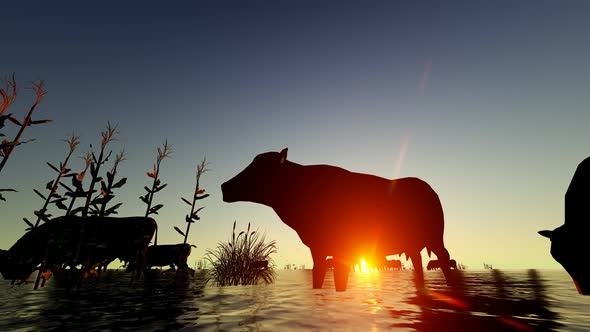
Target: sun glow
(364, 266)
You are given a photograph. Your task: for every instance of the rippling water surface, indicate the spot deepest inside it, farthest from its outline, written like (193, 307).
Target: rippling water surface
(490, 300)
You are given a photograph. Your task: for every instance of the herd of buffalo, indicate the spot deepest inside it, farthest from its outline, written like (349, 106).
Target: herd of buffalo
(336, 213)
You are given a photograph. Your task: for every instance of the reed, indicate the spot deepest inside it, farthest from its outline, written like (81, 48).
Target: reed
(156, 186)
(198, 195)
(53, 197)
(235, 262)
(8, 93)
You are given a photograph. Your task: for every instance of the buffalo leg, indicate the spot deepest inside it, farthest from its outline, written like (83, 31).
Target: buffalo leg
(445, 261)
(341, 271)
(419, 274)
(319, 269)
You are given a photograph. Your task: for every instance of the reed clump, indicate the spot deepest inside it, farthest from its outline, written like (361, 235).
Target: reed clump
(244, 260)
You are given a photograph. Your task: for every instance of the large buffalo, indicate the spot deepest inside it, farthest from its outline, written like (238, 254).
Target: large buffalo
(345, 215)
(73, 241)
(569, 242)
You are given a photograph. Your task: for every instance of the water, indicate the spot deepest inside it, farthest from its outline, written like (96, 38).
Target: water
(489, 300)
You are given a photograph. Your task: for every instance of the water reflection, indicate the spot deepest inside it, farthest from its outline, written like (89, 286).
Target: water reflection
(483, 302)
(491, 300)
(158, 303)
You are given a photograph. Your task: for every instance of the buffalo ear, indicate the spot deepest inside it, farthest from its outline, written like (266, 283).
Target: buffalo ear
(546, 233)
(284, 155)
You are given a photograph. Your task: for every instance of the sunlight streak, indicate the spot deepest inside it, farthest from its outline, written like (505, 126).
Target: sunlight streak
(452, 301)
(401, 156)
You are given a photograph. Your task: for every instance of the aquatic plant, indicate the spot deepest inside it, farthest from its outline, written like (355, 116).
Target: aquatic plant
(163, 153)
(108, 136)
(77, 181)
(193, 215)
(8, 94)
(99, 204)
(244, 260)
(53, 196)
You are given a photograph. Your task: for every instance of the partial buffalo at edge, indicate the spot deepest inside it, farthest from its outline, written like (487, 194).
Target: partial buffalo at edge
(569, 242)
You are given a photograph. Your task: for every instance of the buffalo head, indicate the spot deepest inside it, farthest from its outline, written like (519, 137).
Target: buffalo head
(259, 181)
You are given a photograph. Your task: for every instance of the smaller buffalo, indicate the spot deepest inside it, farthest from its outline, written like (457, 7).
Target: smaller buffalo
(394, 264)
(173, 255)
(259, 265)
(436, 264)
(569, 242)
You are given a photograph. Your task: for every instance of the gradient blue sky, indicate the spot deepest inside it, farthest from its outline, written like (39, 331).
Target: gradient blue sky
(490, 97)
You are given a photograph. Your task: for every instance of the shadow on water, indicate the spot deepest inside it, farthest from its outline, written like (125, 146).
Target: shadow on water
(487, 301)
(160, 302)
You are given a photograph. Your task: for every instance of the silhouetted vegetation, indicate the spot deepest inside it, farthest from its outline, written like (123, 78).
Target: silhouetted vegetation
(198, 195)
(8, 93)
(163, 153)
(91, 207)
(241, 260)
(53, 196)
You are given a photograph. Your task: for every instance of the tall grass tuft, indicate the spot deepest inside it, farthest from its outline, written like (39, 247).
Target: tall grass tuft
(236, 262)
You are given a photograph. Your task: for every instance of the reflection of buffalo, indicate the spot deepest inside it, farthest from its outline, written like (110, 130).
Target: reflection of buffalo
(569, 242)
(436, 264)
(73, 241)
(173, 255)
(344, 214)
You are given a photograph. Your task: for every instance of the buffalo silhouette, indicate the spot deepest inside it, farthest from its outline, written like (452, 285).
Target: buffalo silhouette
(345, 215)
(569, 242)
(72, 241)
(172, 255)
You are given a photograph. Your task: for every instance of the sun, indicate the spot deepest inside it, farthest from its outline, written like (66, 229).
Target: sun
(364, 266)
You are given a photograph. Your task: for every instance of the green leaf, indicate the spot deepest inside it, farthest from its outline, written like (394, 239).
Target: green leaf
(188, 219)
(155, 209)
(53, 167)
(110, 177)
(66, 187)
(144, 199)
(186, 201)
(179, 231)
(113, 209)
(28, 222)
(160, 187)
(60, 205)
(38, 193)
(76, 210)
(120, 183)
(147, 189)
(201, 197)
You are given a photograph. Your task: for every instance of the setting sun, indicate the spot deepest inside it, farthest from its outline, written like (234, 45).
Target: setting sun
(364, 266)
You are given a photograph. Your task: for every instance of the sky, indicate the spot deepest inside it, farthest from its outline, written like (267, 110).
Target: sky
(486, 101)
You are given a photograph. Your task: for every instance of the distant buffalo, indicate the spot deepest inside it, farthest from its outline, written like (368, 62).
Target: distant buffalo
(436, 264)
(570, 241)
(345, 215)
(72, 241)
(173, 255)
(394, 264)
(262, 265)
